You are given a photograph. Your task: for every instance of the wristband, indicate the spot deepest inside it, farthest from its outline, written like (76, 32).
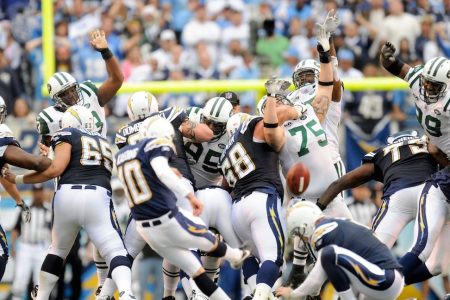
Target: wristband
(320, 205)
(326, 83)
(19, 179)
(396, 67)
(270, 125)
(106, 53)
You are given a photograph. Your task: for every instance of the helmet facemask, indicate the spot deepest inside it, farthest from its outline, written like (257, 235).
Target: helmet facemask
(68, 97)
(217, 128)
(304, 77)
(431, 90)
(3, 112)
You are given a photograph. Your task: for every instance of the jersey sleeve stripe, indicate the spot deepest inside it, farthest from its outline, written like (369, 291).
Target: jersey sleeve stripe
(414, 78)
(84, 89)
(413, 72)
(47, 116)
(446, 105)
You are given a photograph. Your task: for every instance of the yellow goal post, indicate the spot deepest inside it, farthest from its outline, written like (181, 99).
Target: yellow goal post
(193, 86)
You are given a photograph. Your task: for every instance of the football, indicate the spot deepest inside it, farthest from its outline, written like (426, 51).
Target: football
(298, 179)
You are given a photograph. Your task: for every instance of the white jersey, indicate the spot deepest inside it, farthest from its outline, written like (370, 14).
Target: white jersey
(48, 120)
(204, 157)
(433, 117)
(306, 95)
(307, 142)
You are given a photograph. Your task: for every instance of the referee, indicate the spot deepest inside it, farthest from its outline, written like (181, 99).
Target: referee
(33, 241)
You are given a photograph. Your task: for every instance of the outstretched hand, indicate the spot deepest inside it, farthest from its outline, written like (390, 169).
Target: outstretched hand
(98, 41)
(387, 51)
(331, 22)
(323, 37)
(276, 86)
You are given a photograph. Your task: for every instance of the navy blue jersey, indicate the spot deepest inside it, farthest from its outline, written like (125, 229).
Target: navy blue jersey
(354, 237)
(128, 134)
(401, 165)
(248, 165)
(5, 141)
(148, 197)
(91, 158)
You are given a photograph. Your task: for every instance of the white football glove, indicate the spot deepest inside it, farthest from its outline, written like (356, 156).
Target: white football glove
(323, 37)
(331, 22)
(275, 86)
(26, 213)
(300, 108)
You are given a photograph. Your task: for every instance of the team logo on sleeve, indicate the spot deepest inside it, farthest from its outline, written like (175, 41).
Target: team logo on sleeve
(49, 87)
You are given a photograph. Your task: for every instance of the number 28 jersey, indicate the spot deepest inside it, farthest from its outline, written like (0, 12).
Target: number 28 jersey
(91, 158)
(250, 165)
(307, 142)
(433, 117)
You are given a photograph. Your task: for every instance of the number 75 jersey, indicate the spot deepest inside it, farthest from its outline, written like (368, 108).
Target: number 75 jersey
(307, 142)
(433, 117)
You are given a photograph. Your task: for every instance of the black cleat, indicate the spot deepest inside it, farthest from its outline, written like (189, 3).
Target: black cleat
(296, 277)
(34, 292)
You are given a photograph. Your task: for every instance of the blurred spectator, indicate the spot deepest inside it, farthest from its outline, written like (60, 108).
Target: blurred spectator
(272, 45)
(300, 9)
(238, 29)
(398, 25)
(13, 51)
(63, 61)
(426, 36)
(404, 110)
(205, 68)
(353, 40)
(10, 88)
(346, 60)
(291, 59)
(361, 205)
(367, 120)
(298, 39)
(162, 56)
(249, 70)
(179, 12)
(405, 53)
(231, 58)
(179, 62)
(151, 24)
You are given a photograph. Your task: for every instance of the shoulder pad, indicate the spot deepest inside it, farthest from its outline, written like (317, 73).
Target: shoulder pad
(158, 143)
(5, 131)
(320, 232)
(89, 87)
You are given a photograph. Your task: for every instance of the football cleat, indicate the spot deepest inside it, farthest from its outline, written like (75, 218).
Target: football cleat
(34, 292)
(245, 254)
(126, 295)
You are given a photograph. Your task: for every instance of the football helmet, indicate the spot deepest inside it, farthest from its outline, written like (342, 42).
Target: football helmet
(64, 90)
(141, 105)
(306, 72)
(302, 217)
(78, 116)
(216, 113)
(2, 110)
(156, 127)
(402, 136)
(434, 79)
(235, 121)
(261, 106)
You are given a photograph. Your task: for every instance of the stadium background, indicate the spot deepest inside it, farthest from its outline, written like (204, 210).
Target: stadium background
(186, 51)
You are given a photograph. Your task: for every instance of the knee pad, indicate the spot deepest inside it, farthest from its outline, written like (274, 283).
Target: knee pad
(120, 261)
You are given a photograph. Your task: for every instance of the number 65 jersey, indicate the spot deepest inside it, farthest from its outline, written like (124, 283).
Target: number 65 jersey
(307, 142)
(433, 117)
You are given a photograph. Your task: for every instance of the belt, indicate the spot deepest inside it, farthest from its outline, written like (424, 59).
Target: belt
(159, 221)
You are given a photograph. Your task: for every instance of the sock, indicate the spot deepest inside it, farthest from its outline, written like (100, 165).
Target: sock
(300, 253)
(268, 273)
(47, 282)
(102, 267)
(211, 266)
(218, 294)
(347, 295)
(262, 291)
(171, 277)
(185, 283)
(122, 277)
(205, 284)
(3, 261)
(337, 277)
(419, 274)
(250, 268)
(409, 262)
(108, 288)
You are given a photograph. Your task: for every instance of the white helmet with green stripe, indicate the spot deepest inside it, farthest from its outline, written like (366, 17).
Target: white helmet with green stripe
(216, 113)
(79, 117)
(306, 72)
(64, 90)
(435, 79)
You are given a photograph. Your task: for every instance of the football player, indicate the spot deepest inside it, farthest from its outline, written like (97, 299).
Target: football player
(350, 256)
(250, 166)
(307, 142)
(150, 185)
(429, 86)
(83, 160)
(11, 153)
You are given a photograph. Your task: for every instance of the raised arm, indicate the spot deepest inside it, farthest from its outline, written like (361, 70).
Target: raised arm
(115, 78)
(16, 156)
(392, 64)
(352, 179)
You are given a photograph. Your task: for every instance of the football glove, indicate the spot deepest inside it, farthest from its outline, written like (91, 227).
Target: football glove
(331, 22)
(26, 213)
(387, 51)
(323, 37)
(277, 87)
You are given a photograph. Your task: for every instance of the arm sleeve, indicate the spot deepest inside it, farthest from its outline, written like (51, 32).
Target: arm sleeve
(313, 283)
(160, 165)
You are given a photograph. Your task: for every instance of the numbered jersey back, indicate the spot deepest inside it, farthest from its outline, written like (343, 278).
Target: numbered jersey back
(401, 165)
(307, 142)
(91, 158)
(48, 120)
(128, 134)
(434, 117)
(250, 165)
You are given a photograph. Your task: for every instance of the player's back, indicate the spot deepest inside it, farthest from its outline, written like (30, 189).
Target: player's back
(307, 142)
(250, 165)
(433, 117)
(354, 237)
(91, 159)
(401, 165)
(148, 196)
(129, 134)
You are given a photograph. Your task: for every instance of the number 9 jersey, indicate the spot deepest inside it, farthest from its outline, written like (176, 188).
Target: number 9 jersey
(91, 158)
(48, 120)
